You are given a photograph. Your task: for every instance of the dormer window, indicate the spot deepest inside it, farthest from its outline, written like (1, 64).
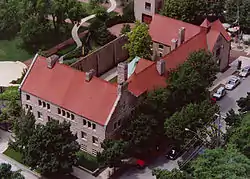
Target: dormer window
(148, 6)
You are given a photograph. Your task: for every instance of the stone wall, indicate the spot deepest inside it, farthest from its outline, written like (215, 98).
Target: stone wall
(77, 123)
(105, 58)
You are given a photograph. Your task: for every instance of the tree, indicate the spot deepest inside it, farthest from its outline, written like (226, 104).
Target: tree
(113, 152)
(244, 103)
(185, 10)
(173, 174)
(232, 118)
(6, 173)
(239, 136)
(221, 163)
(231, 7)
(194, 117)
(140, 42)
(51, 148)
(189, 82)
(128, 12)
(11, 93)
(125, 29)
(24, 128)
(103, 36)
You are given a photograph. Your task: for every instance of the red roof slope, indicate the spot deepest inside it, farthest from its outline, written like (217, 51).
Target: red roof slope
(217, 25)
(180, 54)
(212, 37)
(163, 29)
(146, 80)
(205, 23)
(67, 88)
(142, 64)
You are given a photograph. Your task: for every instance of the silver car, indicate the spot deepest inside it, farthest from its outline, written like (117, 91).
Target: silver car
(245, 71)
(232, 83)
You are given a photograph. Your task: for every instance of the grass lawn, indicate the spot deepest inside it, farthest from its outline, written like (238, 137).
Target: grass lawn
(87, 161)
(10, 51)
(13, 154)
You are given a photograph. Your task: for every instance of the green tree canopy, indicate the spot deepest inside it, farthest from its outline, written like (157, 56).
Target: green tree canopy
(221, 163)
(244, 103)
(193, 116)
(113, 152)
(240, 135)
(140, 42)
(173, 174)
(232, 7)
(6, 173)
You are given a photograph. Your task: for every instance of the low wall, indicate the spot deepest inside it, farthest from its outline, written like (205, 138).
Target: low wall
(104, 58)
(62, 45)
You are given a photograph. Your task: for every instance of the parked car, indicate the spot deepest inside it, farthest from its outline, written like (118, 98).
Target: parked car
(219, 93)
(232, 82)
(245, 71)
(139, 163)
(172, 153)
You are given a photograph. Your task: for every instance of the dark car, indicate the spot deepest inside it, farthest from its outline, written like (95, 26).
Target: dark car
(172, 153)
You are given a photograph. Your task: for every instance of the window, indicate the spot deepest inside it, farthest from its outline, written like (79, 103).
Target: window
(93, 126)
(84, 147)
(84, 122)
(89, 124)
(49, 118)
(44, 104)
(161, 46)
(68, 115)
(26, 106)
(59, 111)
(217, 52)
(94, 151)
(160, 54)
(83, 135)
(30, 108)
(48, 106)
(72, 117)
(27, 97)
(39, 102)
(115, 125)
(94, 140)
(63, 113)
(147, 6)
(119, 122)
(39, 115)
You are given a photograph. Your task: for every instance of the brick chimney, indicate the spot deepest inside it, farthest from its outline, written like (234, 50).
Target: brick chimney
(51, 61)
(122, 87)
(122, 72)
(160, 66)
(89, 75)
(174, 44)
(181, 36)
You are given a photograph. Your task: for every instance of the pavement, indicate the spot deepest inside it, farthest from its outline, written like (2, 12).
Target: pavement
(76, 27)
(28, 174)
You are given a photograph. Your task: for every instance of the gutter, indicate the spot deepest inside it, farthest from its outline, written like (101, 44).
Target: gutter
(26, 75)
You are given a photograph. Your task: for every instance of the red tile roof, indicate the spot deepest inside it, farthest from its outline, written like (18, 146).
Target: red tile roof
(163, 29)
(181, 53)
(212, 37)
(217, 25)
(205, 23)
(67, 88)
(142, 64)
(146, 80)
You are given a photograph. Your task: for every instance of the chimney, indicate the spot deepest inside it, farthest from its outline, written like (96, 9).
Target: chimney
(122, 72)
(122, 87)
(160, 66)
(181, 36)
(89, 75)
(52, 60)
(174, 43)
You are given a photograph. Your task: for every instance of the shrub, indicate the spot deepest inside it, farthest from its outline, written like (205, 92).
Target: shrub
(87, 161)
(74, 54)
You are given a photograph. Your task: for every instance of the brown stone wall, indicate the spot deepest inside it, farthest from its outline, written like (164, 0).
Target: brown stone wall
(77, 125)
(123, 109)
(224, 47)
(105, 58)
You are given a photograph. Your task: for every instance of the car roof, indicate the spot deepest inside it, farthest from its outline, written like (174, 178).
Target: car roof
(246, 67)
(233, 78)
(220, 88)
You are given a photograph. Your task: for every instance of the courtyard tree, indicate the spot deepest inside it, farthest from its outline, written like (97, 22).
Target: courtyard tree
(221, 163)
(140, 42)
(6, 173)
(113, 152)
(125, 29)
(232, 118)
(51, 149)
